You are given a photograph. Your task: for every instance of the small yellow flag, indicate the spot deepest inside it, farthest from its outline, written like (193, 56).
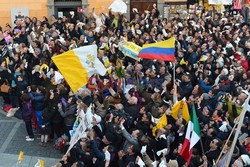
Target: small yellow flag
(7, 61)
(202, 59)
(182, 62)
(20, 158)
(41, 163)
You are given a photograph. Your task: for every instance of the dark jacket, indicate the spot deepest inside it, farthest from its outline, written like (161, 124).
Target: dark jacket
(20, 85)
(22, 39)
(143, 126)
(126, 160)
(27, 111)
(36, 79)
(53, 109)
(69, 114)
(129, 108)
(4, 75)
(185, 89)
(99, 154)
(37, 100)
(202, 118)
(212, 156)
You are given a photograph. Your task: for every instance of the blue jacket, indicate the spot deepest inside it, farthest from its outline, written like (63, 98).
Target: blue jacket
(205, 87)
(37, 100)
(89, 38)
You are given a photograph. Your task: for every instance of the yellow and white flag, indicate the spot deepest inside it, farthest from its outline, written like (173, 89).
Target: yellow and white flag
(161, 124)
(40, 163)
(78, 65)
(20, 158)
(180, 109)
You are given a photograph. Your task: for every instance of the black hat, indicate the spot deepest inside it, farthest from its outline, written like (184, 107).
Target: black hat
(87, 100)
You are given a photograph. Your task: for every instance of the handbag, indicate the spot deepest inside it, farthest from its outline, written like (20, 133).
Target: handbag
(237, 5)
(4, 88)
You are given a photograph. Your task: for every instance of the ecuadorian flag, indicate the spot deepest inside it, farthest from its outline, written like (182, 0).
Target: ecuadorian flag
(78, 65)
(160, 50)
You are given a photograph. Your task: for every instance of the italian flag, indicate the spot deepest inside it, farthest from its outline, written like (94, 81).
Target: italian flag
(193, 135)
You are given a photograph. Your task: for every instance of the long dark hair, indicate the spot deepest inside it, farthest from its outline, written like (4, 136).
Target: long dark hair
(25, 98)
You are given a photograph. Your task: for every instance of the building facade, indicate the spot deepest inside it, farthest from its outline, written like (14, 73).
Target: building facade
(12, 9)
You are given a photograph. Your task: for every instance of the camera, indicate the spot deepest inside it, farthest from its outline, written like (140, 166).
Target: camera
(122, 114)
(61, 46)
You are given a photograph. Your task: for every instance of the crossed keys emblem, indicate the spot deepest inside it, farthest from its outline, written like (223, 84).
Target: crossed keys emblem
(90, 61)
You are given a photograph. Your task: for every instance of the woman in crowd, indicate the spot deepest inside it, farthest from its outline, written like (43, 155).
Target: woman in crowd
(26, 109)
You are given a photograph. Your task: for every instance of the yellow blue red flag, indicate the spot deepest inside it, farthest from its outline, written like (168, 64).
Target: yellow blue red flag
(164, 50)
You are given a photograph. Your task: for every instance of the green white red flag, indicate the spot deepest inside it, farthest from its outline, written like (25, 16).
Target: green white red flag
(193, 135)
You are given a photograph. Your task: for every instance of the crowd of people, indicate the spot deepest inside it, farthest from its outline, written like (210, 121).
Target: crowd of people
(212, 58)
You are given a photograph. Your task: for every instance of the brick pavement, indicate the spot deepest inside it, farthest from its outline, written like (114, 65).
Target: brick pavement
(12, 141)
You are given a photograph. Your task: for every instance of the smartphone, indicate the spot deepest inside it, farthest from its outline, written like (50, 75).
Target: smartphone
(243, 136)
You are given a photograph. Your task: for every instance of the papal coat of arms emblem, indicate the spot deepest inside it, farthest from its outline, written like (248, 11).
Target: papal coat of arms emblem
(90, 61)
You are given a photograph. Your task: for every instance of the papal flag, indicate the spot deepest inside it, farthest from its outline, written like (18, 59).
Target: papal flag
(78, 65)
(161, 124)
(40, 163)
(180, 109)
(20, 158)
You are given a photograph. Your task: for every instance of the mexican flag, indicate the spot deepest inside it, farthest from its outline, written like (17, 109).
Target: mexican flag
(193, 135)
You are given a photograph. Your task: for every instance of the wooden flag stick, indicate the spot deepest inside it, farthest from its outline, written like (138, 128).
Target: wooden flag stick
(237, 121)
(241, 119)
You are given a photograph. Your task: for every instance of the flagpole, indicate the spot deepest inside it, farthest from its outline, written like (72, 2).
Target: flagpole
(174, 74)
(237, 121)
(202, 148)
(242, 115)
(175, 88)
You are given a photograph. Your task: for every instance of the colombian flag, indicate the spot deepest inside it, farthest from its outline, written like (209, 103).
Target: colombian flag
(160, 51)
